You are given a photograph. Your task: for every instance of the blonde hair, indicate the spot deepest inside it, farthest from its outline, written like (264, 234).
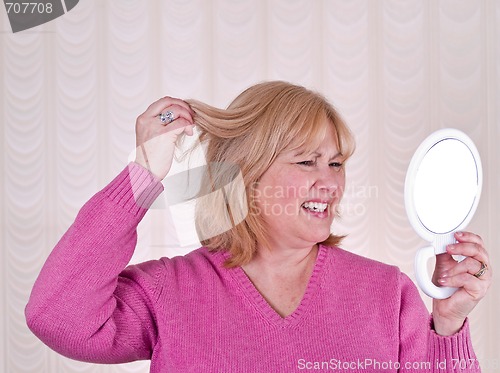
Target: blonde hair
(258, 125)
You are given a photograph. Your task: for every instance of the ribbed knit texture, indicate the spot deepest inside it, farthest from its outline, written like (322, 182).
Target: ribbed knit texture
(190, 314)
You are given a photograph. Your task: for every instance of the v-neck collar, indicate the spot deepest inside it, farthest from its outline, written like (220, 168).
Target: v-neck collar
(260, 303)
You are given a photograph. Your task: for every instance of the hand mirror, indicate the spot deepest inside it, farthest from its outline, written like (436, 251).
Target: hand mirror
(442, 190)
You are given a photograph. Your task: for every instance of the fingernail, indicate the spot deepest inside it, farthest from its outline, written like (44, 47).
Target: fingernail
(450, 247)
(459, 234)
(444, 274)
(442, 280)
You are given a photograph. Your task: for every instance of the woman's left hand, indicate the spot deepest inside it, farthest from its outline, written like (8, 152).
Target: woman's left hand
(449, 314)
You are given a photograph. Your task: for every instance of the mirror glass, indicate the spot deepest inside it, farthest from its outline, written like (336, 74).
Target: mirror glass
(446, 185)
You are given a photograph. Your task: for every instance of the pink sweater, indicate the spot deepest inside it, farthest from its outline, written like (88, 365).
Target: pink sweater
(190, 314)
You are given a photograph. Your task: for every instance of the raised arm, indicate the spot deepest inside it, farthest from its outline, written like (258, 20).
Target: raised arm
(83, 304)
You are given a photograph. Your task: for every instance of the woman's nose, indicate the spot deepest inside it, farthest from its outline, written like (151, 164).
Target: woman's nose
(330, 181)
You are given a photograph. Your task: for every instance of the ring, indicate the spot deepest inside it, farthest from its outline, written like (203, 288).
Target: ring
(166, 118)
(481, 272)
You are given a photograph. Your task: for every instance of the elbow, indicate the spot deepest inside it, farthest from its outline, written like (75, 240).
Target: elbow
(51, 332)
(36, 323)
(65, 337)
(45, 325)
(30, 316)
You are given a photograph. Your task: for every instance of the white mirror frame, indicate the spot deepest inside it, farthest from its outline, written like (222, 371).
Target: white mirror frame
(438, 241)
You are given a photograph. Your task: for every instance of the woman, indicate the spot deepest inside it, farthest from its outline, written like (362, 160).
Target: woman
(273, 293)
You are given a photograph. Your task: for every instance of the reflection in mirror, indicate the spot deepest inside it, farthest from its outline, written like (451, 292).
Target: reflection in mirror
(445, 186)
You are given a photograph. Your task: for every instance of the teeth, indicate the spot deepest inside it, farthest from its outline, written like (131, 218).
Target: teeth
(315, 206)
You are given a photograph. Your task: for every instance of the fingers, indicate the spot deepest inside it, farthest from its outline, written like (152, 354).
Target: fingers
(171, 108)
(470, 245)
(472, 282)
(179, 126)
(178, 112)
(157, 131)
(445, 261)
(467, 266)
(175, 114)
(164, 103)
(475, 287)
(466, 274)
(468, 237)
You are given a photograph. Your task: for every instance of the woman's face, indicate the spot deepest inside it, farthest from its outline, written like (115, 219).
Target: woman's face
(298, 194)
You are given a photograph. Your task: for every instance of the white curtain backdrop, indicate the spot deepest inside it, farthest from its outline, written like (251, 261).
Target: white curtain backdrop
(396, 69)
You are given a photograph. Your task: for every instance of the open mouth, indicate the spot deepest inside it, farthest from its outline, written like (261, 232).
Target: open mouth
(315, 206)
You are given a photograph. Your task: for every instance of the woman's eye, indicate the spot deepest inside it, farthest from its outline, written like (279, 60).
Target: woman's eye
(336, 165)
(307, 163)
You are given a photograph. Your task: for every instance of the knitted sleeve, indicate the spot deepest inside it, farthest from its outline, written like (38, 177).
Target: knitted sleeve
(80, 305)
(421, 349)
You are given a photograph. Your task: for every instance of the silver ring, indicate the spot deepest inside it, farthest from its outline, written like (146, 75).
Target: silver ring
(167, 117)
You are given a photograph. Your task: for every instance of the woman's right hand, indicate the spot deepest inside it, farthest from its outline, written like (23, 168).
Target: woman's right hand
(155, 141)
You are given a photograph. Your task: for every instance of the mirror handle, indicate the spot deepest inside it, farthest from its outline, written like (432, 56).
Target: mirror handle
(423, 280)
